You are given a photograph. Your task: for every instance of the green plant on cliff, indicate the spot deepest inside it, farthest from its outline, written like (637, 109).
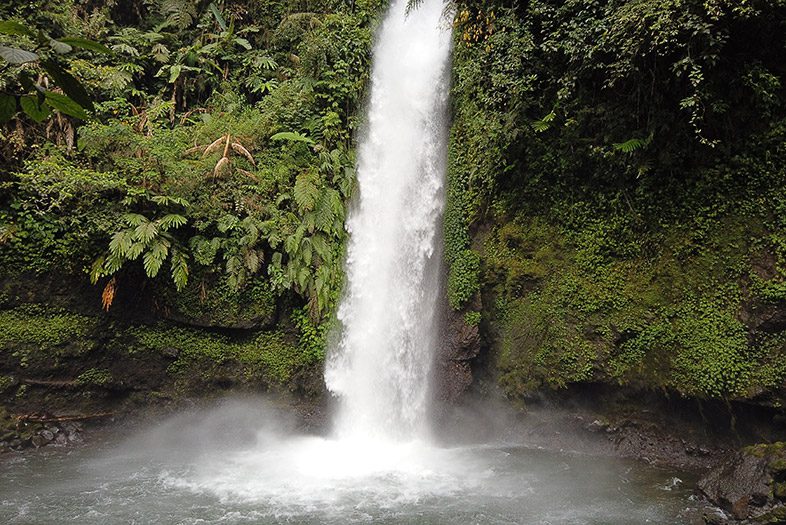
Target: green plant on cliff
(631, 235)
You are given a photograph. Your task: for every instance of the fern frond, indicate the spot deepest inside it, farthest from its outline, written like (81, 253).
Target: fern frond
(154, 258)
(629, 146)
(305, 192)
(226, 223)
(135, 251)
(134, 219)
(146, 232)
(171, 220)
(121, 242)
(179, 262)
(545, 123)
(179, 13)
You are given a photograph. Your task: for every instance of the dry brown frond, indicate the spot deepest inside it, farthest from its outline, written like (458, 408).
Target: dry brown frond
(238, 147)
(248, 174)
(226, 146)
(213, 147)
(108, 295)
(220, 166)
(191, 151)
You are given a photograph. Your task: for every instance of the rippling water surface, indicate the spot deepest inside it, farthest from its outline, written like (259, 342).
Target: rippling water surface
(221, 466)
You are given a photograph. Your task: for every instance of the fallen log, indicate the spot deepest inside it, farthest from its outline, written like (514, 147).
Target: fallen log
(40, 418)
(49, 382)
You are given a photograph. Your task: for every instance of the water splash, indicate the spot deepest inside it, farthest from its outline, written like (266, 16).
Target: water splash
(381, 366)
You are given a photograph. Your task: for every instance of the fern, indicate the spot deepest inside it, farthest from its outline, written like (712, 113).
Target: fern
(172, 220)
(155, 257)
(545, 123)
(179, 262)
(293, 136)
(146, 232)
(179, 13)
(629, 146)
(306, 192)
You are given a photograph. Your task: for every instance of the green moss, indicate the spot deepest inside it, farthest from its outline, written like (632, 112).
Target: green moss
(270, 355)
(472, 318)
(6, 382)
(95, 377)
(463, 279)
(35, 331)
(609, 312)
(217, 304)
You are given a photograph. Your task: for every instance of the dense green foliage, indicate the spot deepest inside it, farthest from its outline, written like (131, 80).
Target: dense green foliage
(616, 190)
(212, 154)
(618, 166)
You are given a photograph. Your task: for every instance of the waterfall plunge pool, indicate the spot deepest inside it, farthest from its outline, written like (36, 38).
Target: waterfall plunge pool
(240, 462)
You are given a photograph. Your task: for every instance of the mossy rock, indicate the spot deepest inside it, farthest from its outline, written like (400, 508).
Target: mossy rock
(211, 303)
(266, 357)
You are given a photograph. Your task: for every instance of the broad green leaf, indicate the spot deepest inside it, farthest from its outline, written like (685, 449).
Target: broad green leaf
(293, 136)
(33, 108)
(7, 107)
(9, 27)
(59, 47)
(70, 85)
(220, 19)
(174, 72)
(86, 44)
(14, 55)
(66, 105)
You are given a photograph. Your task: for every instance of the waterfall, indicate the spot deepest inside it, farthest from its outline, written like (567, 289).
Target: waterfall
(380, 367)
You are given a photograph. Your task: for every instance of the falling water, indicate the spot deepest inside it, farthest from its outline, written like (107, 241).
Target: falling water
(215, 466)
(381, 366)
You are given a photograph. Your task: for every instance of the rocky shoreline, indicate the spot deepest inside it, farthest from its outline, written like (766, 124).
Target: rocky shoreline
(735, 451)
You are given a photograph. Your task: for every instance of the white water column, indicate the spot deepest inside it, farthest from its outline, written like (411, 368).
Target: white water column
(381, 365)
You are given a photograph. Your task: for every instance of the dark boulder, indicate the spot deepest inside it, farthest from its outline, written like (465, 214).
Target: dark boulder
(454, 361)
(751, 484)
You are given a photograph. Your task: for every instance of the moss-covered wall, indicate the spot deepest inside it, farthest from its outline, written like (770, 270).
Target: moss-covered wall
(617, 233)
(65, 355)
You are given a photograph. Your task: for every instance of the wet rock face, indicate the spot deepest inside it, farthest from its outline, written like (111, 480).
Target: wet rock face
(750, 485)
(19, 434)
(453, 366)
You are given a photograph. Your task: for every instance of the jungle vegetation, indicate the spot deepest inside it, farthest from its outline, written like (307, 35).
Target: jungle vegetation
(616, 185)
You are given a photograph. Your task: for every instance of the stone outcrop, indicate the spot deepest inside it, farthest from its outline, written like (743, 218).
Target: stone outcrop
(750, 486)
(453, 369)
